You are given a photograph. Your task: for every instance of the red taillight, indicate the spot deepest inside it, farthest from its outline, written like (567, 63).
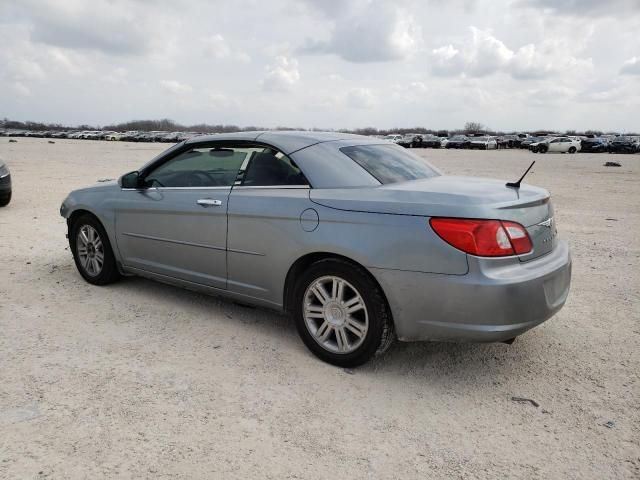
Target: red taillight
(485, 238)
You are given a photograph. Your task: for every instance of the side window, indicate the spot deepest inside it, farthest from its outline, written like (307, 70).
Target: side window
(271, 168)
(201, 166)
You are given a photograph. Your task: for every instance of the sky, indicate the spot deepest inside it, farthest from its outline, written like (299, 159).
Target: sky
(508, 64)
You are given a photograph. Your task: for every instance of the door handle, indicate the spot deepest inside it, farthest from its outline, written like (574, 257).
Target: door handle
(209, 202)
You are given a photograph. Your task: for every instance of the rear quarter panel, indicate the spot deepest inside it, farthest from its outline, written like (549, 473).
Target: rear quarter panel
(266, 236)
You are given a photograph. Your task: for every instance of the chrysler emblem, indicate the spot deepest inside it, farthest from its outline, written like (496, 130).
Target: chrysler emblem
(547, 223)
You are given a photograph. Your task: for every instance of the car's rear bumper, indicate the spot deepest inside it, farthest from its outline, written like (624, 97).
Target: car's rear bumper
(498, 299)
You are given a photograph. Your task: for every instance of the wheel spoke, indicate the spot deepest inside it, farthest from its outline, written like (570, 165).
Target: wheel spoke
(87, 264)
(356, 327)
(342, 340)
(83, 236)
(94, 263)
(320, 293)
(323, 332)
(311, 314)
(340, 293)
(82, 250)
(354, 304)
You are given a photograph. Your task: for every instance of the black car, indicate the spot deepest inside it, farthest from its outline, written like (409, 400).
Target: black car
(411, 140)
(593, 145)
(529, 140)
(5, 185)
(431, 141)
(624, 145)
(459, 141)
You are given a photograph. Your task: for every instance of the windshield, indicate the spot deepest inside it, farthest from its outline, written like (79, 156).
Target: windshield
(389, 163)
(459, 137)
(481, 139)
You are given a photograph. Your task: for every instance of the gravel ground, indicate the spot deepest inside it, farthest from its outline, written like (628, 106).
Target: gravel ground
(140, 379)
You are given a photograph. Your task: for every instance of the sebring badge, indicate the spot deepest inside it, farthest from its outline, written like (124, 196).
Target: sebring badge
(547, 223)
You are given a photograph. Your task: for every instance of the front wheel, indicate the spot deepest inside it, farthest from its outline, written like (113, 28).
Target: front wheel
(92, 251)
(5, 199)
(572, 150)
(341, 313)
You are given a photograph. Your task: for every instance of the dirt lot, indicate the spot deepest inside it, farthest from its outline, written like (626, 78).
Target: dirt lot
(140, 379)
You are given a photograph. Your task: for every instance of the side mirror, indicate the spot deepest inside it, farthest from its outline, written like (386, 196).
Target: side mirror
(130, 180)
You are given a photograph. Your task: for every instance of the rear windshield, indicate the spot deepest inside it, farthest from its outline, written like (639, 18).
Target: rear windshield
(389, 163)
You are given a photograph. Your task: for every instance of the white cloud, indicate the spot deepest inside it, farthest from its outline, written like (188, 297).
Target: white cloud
(21, 69)
(282, 75)
(216, 46)
(374, 31)
(360, 98)
(631, 66)
(175, 87)
(219, 100)
(585, 7)
(483, 54)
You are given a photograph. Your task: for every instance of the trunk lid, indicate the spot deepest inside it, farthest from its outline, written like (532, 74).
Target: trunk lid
(458, 197)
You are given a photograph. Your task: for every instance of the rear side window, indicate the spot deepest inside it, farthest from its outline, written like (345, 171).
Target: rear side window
(389, 163)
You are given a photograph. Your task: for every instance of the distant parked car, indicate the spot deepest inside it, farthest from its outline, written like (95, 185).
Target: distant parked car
(5, 185)
(458, 141)
(411, 140)
(556, 145)
(129, 136)
(59, 134)
(526, 142)
(112, 136)
(395, 138)
(594, 145)
(431, 141)
(483, 143)
(443, 142)
(624, 145)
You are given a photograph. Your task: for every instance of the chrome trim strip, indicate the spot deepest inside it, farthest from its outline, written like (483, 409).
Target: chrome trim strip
(283, 187)
(179, 242)
(234, 250)
(176, 188)
(5, 175)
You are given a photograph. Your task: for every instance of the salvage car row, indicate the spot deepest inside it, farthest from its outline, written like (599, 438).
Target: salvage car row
(537, 144)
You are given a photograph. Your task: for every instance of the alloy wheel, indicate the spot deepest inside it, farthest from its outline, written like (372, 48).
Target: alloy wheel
(335, 314)
(90, 250)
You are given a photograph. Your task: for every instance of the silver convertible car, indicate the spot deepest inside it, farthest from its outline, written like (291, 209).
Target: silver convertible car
(358, 239)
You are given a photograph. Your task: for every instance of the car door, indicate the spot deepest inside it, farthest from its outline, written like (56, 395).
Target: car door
(269, 214)
(555, 145)
(176, 226)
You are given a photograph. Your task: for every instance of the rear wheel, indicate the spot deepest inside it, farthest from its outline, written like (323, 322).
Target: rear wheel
(92, 251)
(341, 313)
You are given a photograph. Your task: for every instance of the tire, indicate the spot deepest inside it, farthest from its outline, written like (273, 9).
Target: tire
(542, 149)
(5, 199)
(330, 319)
(534, 149)
(88, 264)
(572, 149)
